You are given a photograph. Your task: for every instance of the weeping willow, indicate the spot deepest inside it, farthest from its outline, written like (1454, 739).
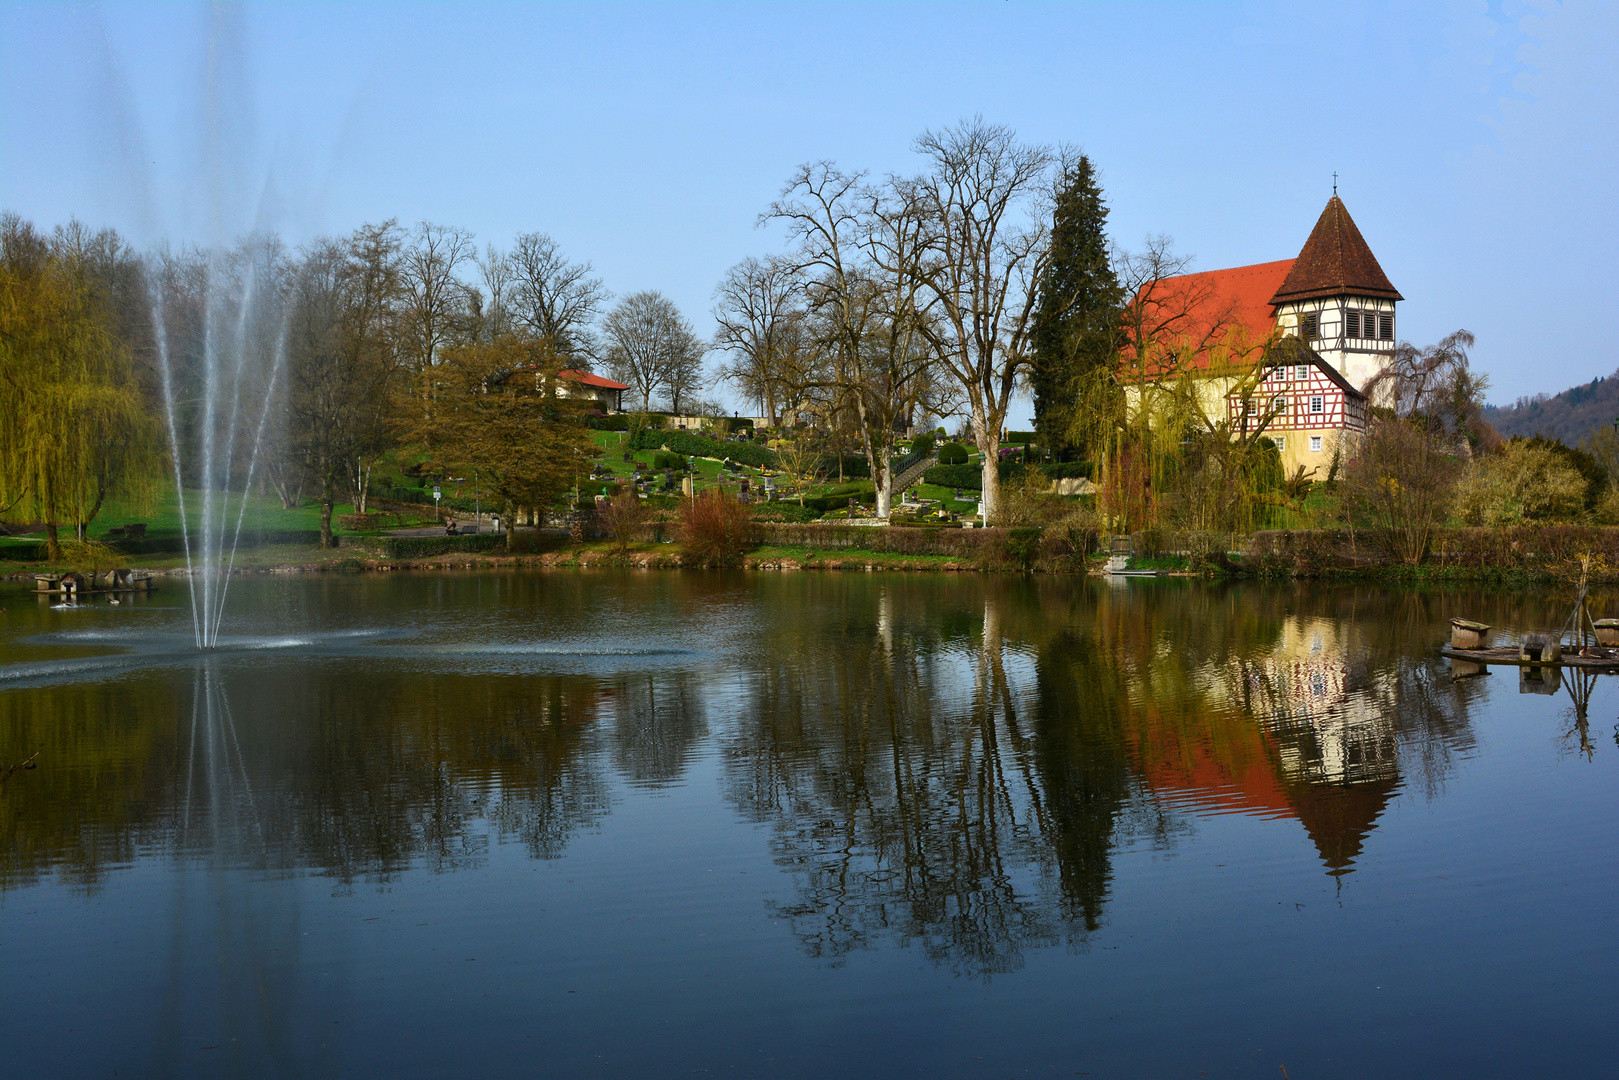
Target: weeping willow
(77, 426)
(1179, 440)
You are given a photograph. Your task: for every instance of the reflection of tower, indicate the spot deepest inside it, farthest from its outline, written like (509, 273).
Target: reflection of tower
(1319, 751)
(1337, 749)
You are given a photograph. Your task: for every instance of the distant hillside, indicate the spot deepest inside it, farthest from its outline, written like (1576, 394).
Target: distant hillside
(1569, 416)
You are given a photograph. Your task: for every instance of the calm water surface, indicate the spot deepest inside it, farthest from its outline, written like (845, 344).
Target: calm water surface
(805, 825)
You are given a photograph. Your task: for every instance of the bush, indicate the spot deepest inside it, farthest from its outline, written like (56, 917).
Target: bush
(838, 498)
(923, 443)
(694, 445)
(716, 530)
(952, 453)
(786, 511)
(972, 544)
(423, 547)
(620, 422)
(668, 459)
(622, 517)
(1021, 547)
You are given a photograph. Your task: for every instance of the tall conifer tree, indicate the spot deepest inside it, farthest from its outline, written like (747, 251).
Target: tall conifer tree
(1078, 325)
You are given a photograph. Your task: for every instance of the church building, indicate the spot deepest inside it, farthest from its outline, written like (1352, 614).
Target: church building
(1334, 297)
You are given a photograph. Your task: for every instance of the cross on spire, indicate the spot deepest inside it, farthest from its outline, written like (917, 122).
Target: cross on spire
(1335, 182)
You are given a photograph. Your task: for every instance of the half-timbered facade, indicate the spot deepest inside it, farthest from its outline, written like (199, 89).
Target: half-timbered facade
(1334, 297)
(1308, 408)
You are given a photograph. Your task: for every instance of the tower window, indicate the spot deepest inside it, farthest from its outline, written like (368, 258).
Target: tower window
(1352, 324)
(1312, 329)
(1385, 327)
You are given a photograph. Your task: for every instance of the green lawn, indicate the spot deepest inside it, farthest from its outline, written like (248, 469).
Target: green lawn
(263, 514)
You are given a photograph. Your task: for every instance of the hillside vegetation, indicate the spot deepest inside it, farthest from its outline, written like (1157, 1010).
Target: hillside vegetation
(1568, 417)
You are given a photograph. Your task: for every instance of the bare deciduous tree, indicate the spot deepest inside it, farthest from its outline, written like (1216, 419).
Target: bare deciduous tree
(495, 315)
(343, 358)
(433, 301)
(760, 314)
(864, 250)
(650, 346)
(556, 300)
(984, 196)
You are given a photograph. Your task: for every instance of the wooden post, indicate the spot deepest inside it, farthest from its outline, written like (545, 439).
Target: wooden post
(1466, 634)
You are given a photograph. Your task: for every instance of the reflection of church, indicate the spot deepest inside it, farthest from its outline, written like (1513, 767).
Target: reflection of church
(1293, 740)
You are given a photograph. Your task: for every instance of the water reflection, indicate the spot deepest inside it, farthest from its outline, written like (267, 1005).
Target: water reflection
(953, 764)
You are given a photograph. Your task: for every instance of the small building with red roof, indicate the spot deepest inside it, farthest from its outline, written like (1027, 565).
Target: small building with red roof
(574, 383)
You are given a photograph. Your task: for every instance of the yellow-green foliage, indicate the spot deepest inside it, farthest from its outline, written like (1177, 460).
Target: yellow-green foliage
(77, 426)
(1522, 482)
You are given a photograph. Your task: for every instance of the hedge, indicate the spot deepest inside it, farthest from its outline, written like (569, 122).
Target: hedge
(972, 477)
(422, 547)
(963, 543)
(35, 551)
(1020, 438)
(695, 445)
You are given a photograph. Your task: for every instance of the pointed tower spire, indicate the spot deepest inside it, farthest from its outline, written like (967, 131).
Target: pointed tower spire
(1334, 261)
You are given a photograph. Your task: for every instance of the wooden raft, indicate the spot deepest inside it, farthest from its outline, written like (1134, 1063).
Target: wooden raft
(1595, 659)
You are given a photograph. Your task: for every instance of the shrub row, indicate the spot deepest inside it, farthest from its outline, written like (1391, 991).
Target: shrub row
(691, 443)
(972, 478)
(962, 543)
(423, 547)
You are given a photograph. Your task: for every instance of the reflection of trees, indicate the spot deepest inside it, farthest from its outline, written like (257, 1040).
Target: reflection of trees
(955, 763)
(893, 760)
(354, 770)
(104, 752)
(658, 720)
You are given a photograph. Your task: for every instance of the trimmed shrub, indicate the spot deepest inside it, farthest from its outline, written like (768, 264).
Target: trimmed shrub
(1020, 438)
(786, 510)
(972, 544)
(838, 498)
(425, 547)
(952, 453)
(715, 530)
(694, 445)
(923, 443)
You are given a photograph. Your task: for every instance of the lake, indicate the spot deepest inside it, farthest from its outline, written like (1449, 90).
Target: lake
(801, 825)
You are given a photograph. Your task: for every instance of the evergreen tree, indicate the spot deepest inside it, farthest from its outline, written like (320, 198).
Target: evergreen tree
(1078, 328)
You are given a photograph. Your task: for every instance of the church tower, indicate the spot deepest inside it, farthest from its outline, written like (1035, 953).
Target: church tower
(1338, 299)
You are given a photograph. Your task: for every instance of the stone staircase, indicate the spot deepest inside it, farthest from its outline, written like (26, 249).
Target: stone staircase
(911, 474)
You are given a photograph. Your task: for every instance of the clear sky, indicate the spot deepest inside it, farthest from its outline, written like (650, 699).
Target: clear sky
(1474, 142)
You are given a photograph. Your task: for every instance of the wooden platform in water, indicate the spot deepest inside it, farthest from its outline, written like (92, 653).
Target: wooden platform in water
(1591, 659)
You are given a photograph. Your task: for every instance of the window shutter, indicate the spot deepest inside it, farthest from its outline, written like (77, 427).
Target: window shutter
(1386, 330)
(1352, 324)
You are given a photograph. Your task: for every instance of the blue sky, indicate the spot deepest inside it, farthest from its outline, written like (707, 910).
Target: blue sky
(1475, 142)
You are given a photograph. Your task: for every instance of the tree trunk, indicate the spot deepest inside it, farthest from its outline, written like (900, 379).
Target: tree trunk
(989, 445)
(884, 475)
(365, 488)
(53, 543)
(326, 540)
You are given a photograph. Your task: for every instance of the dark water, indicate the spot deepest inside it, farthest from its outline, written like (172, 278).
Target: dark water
(805, 825)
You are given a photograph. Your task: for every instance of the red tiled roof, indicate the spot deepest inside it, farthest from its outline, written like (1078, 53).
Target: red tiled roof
(1217, 303)
(585, 377)
(1335, 260)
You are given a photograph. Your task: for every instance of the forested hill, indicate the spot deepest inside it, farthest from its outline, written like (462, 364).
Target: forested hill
(1569, 416)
